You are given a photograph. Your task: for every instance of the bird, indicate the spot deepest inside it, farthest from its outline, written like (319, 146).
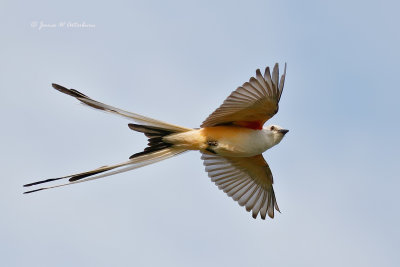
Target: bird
(231, 141)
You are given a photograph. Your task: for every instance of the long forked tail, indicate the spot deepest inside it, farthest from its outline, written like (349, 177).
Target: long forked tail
(105, 171)
(157, 149)
(129, 115)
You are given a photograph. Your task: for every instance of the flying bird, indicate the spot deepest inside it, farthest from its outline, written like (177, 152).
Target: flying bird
(231, 141)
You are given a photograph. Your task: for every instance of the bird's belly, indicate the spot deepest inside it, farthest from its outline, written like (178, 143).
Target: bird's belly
(236, 141)
(235, 149)
(222, 140)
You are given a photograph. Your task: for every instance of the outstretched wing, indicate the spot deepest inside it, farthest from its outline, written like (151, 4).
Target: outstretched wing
(247, 180)
(251, 104)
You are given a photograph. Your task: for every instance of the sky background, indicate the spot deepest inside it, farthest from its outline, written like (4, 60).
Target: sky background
(336, 171)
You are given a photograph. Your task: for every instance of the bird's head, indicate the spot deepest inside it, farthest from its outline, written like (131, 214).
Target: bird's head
(277, 133)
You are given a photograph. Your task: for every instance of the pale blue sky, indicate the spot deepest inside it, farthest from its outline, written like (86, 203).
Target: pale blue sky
(336, 172)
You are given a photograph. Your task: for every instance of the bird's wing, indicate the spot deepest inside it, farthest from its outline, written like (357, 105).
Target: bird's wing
(247, 180)
(251, 104)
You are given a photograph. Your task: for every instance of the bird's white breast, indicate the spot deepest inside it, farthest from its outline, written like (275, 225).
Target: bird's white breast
(227, 141)
(244, 143)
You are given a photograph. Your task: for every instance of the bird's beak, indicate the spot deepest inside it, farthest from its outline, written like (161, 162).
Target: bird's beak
(283, 131)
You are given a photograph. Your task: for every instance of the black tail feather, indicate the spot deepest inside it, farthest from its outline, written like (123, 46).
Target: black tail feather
(43, 181)
(73, 177)
(84, 175)
(28, 192)
(155, 141)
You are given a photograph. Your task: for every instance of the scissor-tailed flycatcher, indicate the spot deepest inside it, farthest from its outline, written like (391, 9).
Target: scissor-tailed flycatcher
(231, 140)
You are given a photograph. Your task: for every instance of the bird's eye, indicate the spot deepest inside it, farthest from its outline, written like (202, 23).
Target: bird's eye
(272, 128)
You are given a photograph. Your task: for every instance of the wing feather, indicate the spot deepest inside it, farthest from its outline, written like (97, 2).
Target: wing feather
(251, 104)
(260, 202)
(246, 180)
(262, 82)
(275, 78)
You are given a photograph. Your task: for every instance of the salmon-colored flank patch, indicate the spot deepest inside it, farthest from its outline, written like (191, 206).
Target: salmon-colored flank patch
(256, 125)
